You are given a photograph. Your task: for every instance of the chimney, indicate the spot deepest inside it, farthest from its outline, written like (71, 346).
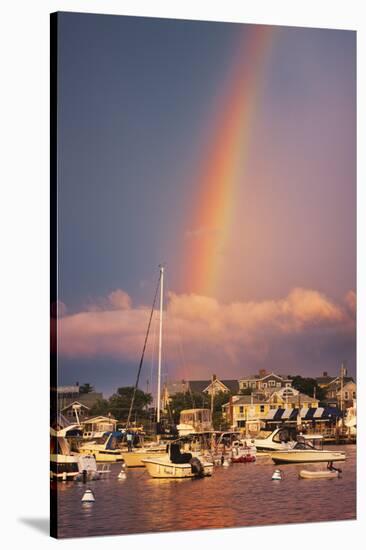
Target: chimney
(325, 373)
(214, 377)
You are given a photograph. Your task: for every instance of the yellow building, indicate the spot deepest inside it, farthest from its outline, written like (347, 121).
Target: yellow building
(243, 408)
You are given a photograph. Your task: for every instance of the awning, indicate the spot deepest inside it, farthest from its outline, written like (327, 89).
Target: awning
(287, 413)
(279, 415)
(318, 412)
(304, 412)
(270, 415)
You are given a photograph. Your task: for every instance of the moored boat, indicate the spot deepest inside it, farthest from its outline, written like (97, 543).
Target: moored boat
(177, 465)
(320, 474)
(307, 449)
(104, 449)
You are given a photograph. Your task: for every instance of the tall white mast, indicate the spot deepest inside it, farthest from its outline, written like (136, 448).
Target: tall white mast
(160, 341)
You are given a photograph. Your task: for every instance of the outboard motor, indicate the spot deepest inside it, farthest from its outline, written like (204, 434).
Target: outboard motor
(196, 467)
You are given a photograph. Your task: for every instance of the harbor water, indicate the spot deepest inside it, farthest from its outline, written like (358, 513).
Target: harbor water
(237, 496)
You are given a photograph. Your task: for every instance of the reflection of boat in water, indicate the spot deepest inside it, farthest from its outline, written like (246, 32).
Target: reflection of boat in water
(104, 449)
(308, 448)
(177, 465)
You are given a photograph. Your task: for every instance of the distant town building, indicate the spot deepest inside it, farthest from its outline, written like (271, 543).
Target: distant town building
(98, 425)
(335, 396)
(205, 387)
(66, 395)
(264, 382)
(243, 408)
(338, 397)
(75, 411)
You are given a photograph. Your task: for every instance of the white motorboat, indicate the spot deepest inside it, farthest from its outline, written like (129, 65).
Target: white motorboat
(104, 449)
(177, 465)
(308, 448)
(66, 465)
(279, 439)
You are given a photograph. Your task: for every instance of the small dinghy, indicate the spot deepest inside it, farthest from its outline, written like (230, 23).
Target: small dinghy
(330, 473)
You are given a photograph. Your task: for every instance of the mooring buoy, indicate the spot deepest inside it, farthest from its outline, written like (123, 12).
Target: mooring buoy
(88, 496)
(277, 475)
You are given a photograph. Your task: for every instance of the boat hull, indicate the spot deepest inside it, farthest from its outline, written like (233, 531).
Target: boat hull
(102, 455)
(290, 457)
(324, 474)
(135, 459)
(166, 469)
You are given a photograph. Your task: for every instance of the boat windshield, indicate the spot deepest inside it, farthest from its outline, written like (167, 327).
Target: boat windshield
(309, 443)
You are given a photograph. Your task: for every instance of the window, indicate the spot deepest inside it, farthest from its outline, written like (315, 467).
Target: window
(253, 384)
(244, 384)
(272, 383)
(354, 395)
(273, 407)
(262, 408)
(264, 384)
(240, 423)
(288, 384)
(346, 394)
(278, 384)
(241, 409)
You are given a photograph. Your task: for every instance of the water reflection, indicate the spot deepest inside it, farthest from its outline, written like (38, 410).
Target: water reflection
(243, 494)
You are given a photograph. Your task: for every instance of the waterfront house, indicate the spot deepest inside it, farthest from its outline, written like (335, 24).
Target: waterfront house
(66, 395)
(242, 408)
(205, 387)
(96, 426)
(337, 396)
(265, 383)
(76, 411)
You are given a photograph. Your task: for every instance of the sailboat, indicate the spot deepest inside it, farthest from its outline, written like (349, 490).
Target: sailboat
(136, 457)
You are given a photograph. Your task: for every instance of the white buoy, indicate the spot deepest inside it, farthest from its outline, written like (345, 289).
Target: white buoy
(226, 463)
(88, 496)
(64, 476)
(277, 476)
(122, 474)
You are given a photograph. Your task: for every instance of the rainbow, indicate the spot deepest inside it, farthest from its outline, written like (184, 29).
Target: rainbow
(224, 162)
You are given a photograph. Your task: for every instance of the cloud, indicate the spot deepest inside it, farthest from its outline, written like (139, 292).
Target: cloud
(212, 337)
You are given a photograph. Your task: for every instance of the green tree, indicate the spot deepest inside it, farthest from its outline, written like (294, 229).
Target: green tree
(187, 400)
(219, 423)
(307, 385)
(101, 407)
(86, 388)
(120, 402)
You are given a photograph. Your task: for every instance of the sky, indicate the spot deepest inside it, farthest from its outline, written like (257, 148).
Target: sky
(228, 153)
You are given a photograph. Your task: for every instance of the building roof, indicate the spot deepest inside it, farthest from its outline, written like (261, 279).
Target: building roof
(245, 400)
(198, 386)
(180, 386)
(302, 397)
(324, 379)
(256, 377)
(336, 383)
(75, 403)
